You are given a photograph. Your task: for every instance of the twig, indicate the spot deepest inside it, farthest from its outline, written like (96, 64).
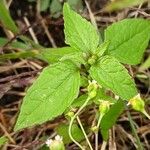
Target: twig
(7, 134)
(104, 144)
(31, 30)
(7, 79)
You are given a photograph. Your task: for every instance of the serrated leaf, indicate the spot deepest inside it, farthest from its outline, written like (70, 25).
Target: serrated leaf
(62, 130)
(128, 40)
(6, 19)
(109, 73)
(52, 55)
(110, 118)
(79, 33)
(53, 91)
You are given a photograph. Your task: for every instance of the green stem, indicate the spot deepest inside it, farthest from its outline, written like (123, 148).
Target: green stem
(140, 147)
(24, 54)
(146, 114)
(97, 129)
(72, 120)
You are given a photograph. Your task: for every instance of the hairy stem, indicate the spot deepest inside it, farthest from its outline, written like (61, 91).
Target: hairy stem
(96, 132)
(86, 137)
(72, 120)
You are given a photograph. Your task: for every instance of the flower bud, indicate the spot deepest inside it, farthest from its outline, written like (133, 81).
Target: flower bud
(104, 107)
(94, 129)
(137, 103)
(92, 89)
(92, 60)
(70, 114)
(92, 94)
(56, 144)
(92, 86)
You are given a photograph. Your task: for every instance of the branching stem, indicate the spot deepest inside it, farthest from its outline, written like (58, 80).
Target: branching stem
(71, 123)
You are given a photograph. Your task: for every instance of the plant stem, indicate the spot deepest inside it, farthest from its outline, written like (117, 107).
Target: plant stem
(72, 120)
(96, 132)
(78, 119)
(104, 144)
(140, 147)
(24, 54)
(146, 114)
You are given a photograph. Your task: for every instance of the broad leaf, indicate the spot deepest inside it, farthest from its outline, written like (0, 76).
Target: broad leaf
(110, 118)
(79, 33)
(128, 40)
(50, 95)
(109, 73)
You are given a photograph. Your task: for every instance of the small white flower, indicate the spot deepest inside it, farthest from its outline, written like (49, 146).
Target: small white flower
(48, 142)
(116, 97)
(58, 138)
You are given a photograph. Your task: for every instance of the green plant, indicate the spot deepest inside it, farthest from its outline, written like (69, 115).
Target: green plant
(91, 66)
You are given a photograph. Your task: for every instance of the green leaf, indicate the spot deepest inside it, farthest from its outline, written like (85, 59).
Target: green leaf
(120, 4)
(6, 19)
(52, 55)
(79, 33)
(44, 4)
(78, 102)
(128, 40)
(56, 8)
(102, 48)
(62, 130)
(110, 118)
(77, 58)
(53, 91)
(109, 73)
(3, 140)
(101, 95)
